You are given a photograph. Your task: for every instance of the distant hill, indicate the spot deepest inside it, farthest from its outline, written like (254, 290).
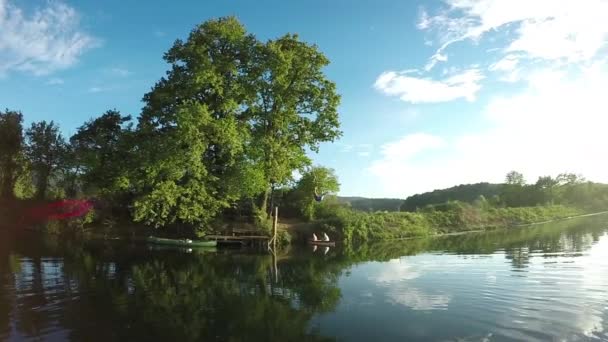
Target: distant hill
(465, 193)
(372, 204)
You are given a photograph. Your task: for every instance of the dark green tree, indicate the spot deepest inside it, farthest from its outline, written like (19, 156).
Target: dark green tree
(11, 145)
(45, 149)
(100, 153)
(546, 188)
(515, 178)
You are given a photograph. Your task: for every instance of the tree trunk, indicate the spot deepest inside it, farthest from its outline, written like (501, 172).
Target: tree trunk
(43, 184)
(271, 200)
(264, 206)
(8, 185)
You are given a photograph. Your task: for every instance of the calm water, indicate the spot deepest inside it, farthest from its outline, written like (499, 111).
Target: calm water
(544, 283)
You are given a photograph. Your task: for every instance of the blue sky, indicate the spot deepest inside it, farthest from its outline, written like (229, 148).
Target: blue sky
(434, 93)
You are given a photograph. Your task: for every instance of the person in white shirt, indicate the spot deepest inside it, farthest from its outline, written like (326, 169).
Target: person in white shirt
(314, 237)
(325, 237)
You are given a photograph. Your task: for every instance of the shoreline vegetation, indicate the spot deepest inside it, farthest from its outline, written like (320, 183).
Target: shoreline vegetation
(216, 146)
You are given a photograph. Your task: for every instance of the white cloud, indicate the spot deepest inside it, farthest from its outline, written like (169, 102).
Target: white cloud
(96, 89)
(556, 124)
(119, 72)
(395, 271)
(425, 90)
(574, 31)
(395, 275)
(410, 146)
(508, 63)
(416, 299)
(55, 81)
(436, 58)
(49, 39)
(345, 148)
(398, 163)
(364, 150)
(554, 121)
(508, 68)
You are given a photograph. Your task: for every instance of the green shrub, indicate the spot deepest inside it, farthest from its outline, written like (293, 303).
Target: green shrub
(356, 226)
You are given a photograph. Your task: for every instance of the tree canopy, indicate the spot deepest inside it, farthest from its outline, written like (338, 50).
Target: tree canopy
(45, 151)
(233, 118)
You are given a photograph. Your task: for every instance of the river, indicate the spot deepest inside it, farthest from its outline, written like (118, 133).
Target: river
(541, 283)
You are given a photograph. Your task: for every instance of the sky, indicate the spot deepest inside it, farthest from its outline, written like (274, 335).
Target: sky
(434, 93)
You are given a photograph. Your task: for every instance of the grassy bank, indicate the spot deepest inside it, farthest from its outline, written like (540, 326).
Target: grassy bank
(353, 226)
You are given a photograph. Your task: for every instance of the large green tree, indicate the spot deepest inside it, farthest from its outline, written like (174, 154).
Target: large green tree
(191, 137)
(45, 149)
(294, 108)
(232, 117)
(11, 145)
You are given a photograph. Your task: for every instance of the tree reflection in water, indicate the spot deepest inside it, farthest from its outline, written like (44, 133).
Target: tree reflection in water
(55, 288)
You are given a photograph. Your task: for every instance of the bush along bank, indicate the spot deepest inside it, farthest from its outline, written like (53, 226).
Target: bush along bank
(355, 226)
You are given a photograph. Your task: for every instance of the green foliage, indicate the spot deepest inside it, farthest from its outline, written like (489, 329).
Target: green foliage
(294, 106)
(515, 178)
(24, 187)
(174, 182)
(100, 154)
(567, 189)
(372, 204)
(283, 238)
(356, 226)
(262, 221)
(232, 119)
(464, 193)
(11, 151)
(317, 180)
(45, 151)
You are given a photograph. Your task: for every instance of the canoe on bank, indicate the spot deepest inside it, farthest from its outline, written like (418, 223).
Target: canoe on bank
(181, 242)
(322, 243)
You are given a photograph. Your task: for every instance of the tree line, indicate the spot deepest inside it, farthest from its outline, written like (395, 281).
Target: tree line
(565, 189)
(224, 130)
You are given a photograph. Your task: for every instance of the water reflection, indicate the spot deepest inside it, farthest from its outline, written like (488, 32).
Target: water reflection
(540, 283)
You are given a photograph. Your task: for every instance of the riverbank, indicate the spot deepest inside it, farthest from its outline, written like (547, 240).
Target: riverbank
(347, 226)
(350, 226)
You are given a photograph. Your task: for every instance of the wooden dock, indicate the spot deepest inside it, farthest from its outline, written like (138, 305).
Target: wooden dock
(250, 236)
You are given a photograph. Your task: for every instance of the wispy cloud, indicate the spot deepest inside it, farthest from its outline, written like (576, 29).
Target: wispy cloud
(572, 31)
(55, 81)
(345, 148)
(47, 40)
(408, 147)
(426, 90)
(97, 89)
(121, 72)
